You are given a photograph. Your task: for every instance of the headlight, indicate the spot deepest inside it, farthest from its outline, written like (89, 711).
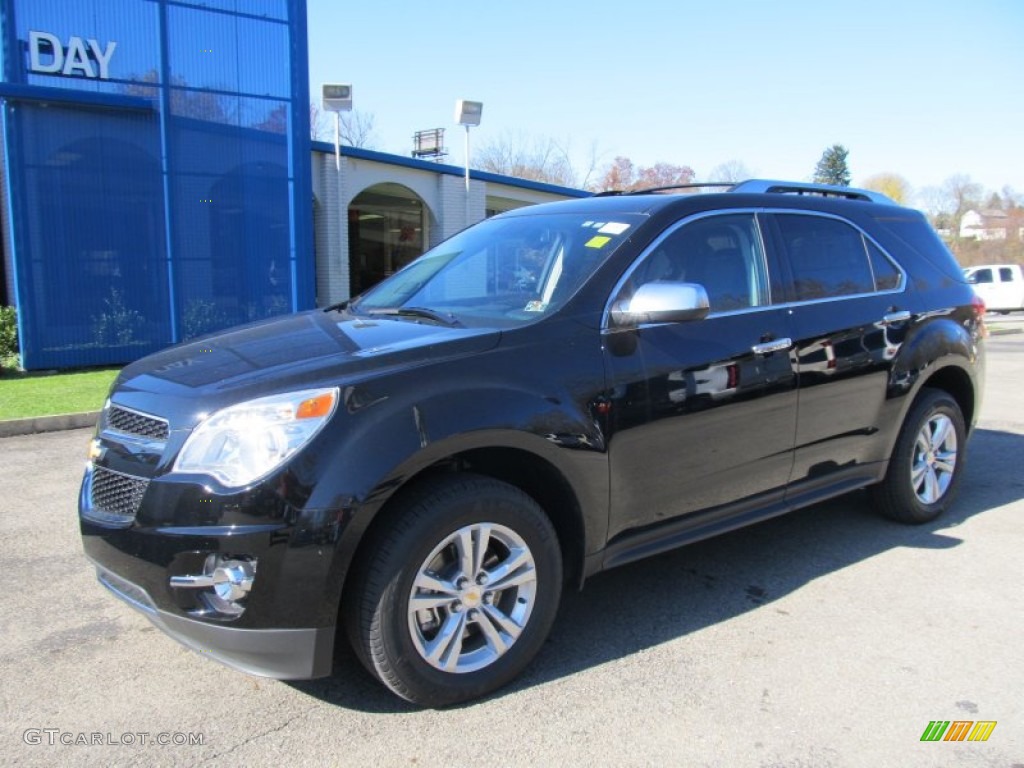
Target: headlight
(243, 443)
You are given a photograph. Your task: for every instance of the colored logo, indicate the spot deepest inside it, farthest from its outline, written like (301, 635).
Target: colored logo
(958, 730)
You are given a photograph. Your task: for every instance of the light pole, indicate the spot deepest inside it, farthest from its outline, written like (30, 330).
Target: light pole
(468, 113)
(337, 98)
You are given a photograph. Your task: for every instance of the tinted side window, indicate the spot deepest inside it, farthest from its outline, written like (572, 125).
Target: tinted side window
(827, 257)
(1006, 274)
(722, 253)
(982, 276)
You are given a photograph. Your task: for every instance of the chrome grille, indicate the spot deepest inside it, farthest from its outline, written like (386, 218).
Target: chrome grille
(115, 497)
(135, 423)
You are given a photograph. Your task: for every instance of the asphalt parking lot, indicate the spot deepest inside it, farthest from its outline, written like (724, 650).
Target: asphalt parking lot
(829, 637)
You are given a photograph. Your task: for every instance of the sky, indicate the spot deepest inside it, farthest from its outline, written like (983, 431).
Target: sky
(926, 90)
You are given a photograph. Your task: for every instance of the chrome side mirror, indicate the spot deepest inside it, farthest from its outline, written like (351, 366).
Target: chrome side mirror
(662, 302)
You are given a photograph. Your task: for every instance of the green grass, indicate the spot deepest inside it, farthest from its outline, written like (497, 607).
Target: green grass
(35, 394)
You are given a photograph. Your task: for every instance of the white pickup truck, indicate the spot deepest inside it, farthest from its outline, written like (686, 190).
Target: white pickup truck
(1001, 286)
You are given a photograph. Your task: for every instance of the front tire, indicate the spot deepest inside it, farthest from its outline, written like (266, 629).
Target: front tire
(927, 462)
(459, 590)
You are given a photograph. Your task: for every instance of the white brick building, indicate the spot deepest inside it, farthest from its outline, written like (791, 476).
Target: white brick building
(377, 211)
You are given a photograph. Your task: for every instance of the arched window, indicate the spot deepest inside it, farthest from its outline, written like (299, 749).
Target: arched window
(387, 226)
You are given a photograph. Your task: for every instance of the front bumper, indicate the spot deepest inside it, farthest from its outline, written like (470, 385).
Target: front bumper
(168, 530)
(285, 654)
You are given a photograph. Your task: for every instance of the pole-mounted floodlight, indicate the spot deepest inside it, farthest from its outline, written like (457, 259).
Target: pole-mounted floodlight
(337, 98)
(468, 113)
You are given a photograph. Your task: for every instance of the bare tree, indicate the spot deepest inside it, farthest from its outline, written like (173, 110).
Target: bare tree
(540, 158)
(356, 127)
(537, 159)
(588, 170)
(732, 170)
(962, 194)
(318, 123)
(932, 200)
(1012, 199)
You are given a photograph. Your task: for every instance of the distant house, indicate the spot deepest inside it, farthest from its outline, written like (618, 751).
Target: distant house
(985, 225)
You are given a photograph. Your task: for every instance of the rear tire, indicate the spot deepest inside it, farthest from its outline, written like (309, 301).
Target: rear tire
(458, 592)
(927, 462)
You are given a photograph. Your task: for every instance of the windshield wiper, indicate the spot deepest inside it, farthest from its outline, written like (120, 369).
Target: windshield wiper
(444, 318)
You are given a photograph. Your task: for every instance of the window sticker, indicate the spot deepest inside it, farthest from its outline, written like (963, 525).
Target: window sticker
(613, 228)
(535, 306)
(598, 241)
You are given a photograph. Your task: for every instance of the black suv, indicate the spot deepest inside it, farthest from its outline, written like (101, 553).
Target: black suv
(555, 391)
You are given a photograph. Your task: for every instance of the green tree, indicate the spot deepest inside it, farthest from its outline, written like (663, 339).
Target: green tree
(832, 167)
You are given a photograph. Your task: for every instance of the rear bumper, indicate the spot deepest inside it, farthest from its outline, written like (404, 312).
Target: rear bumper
(284, 654)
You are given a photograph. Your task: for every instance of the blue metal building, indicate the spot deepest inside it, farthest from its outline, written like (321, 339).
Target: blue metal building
(156, 171)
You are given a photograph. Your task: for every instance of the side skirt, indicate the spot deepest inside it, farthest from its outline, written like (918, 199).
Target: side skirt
(662, 537)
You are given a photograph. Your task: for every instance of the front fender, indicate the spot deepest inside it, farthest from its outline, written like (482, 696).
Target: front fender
(394, 428)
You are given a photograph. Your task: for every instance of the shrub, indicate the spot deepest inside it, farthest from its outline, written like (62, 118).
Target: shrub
(201, 317)
(8, 337)
(118, 325)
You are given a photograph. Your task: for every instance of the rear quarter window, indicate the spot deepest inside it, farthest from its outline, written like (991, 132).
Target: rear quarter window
(914, 232)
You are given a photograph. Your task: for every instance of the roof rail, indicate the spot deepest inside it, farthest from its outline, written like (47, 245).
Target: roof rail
(691, 185)
(649, 190)
(806, 188)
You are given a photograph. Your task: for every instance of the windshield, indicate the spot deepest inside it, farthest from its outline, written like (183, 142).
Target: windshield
(501, 272)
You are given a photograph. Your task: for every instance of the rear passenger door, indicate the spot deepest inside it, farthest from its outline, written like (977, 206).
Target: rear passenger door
(849, 313)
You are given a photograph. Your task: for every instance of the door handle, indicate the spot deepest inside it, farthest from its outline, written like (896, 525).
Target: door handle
(892, 318)
(767, 347)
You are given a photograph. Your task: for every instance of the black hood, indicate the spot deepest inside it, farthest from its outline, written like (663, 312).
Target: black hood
(308, 349)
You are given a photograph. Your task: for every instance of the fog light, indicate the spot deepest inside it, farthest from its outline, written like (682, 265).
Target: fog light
(224, 584)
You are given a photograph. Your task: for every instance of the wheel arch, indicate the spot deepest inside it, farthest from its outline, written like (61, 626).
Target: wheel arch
(957, 383)
(544, 483)
(533, 474)
(943, 354)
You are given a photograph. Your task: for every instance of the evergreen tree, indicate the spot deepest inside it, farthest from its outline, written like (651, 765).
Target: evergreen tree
(832, 168)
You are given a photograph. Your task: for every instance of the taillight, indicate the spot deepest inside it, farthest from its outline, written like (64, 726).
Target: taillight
(978, 305)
